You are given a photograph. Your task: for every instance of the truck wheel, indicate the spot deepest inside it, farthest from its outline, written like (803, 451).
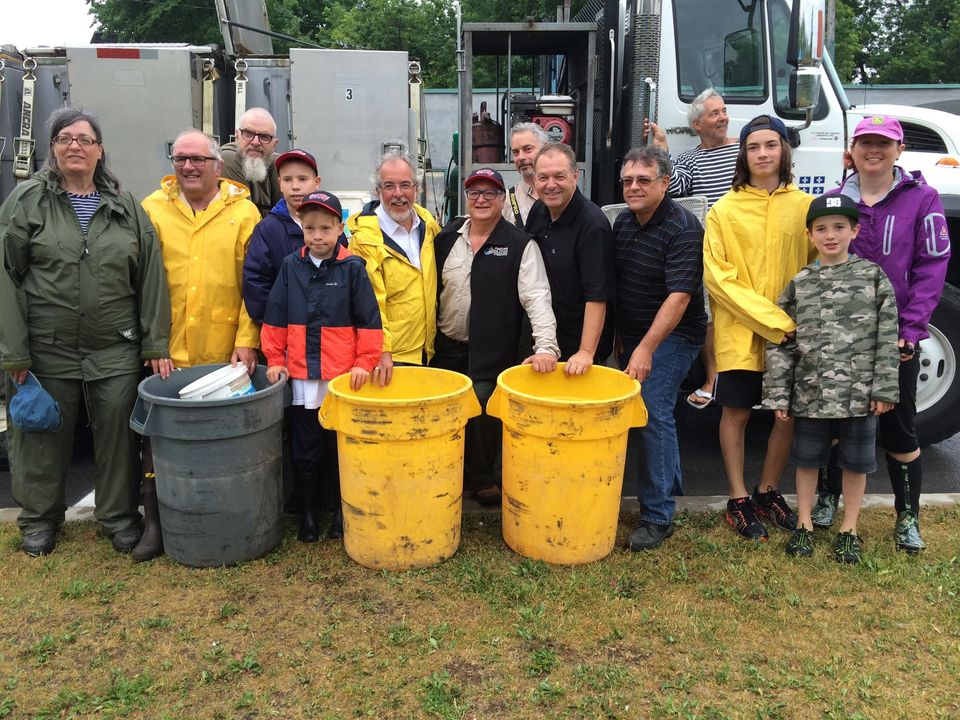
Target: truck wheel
(938, 389)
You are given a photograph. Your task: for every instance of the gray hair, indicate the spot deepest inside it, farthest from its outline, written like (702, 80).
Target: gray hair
(649, 155)
(211, 141)
(696, 107)
(528, 127)
(65, 117)
(260, 112)
(391, 156)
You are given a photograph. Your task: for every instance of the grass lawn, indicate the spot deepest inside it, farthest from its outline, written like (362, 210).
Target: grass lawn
(707, 627)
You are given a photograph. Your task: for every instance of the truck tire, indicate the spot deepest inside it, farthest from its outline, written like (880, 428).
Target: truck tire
(938, 389)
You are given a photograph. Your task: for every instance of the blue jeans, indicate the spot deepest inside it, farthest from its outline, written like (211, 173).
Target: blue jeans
(662, 479)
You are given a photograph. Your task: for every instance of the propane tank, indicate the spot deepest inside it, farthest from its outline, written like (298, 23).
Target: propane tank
(487, 138)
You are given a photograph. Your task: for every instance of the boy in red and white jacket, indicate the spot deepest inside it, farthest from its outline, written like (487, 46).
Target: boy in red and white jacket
(321, 321)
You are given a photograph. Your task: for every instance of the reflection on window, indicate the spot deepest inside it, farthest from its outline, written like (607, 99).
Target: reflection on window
(779, 38)
(720, 44)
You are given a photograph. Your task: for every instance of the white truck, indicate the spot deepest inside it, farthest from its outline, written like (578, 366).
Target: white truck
(622, 60)
(652, 57)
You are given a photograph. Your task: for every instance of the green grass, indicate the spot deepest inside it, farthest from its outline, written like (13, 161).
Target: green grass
(706, 627)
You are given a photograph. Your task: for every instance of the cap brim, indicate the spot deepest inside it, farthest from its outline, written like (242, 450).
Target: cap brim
(474, 180)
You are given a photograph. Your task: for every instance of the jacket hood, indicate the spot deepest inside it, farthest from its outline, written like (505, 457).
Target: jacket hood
(108, 195)
(367, 217)
(230, 191)
(901, 179)
(342, 255)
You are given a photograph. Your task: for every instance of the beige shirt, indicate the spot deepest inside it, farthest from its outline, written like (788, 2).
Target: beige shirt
(533, 287)
(525, 199)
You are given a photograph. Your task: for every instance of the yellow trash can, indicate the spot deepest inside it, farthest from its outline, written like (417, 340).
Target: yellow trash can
(401, 465)
(564, 446)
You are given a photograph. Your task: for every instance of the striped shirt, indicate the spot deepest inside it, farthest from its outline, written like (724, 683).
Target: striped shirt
(704, 172)
(653, 260)
(84, 206)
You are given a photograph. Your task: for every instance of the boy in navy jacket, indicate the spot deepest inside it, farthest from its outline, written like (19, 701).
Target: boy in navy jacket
(321, 321)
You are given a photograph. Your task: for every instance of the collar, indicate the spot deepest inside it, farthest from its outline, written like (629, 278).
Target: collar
(664, 209)
(851, 188)
(572, 211)
(522, 187)
(391, 226)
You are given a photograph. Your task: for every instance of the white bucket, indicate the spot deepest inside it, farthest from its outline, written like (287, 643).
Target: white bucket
(227, 382)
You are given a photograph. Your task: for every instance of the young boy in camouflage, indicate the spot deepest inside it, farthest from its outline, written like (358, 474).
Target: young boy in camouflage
(838, 372)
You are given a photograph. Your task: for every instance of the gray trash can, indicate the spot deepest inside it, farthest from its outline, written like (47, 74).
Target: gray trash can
(218, 467)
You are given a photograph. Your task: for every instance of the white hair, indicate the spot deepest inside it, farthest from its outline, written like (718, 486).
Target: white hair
(697, 106)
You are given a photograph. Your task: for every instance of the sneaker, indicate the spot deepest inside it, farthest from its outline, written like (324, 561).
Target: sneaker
(825, 511)
(649, 535)
(906, 535)
(743, 519)
(771, 505)
(800, 543)
(848, 548)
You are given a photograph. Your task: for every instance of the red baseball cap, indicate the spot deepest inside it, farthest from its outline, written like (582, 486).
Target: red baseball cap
(299, 155)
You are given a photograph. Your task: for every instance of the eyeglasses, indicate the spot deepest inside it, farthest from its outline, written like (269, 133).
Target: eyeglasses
(198, 161)
(81, 140)
(641, 181)
(264, 138)
(404, 186)
(487, 194)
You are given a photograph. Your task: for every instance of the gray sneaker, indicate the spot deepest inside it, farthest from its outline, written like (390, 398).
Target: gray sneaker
(906, 535)
(825, 511)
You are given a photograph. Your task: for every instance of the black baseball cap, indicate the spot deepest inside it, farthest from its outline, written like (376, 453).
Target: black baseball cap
(764, 122)
(299, 155)
(322, 200)
(485, 174)
(832, 205)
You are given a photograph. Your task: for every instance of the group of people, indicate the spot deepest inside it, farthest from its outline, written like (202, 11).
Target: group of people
(241, 257)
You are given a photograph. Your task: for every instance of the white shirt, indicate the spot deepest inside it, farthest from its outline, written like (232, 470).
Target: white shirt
(409, 242)
(309, 393)
(533, 287)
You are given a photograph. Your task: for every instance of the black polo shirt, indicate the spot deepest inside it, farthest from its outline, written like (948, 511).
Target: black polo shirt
(653, 260)
(577, 251)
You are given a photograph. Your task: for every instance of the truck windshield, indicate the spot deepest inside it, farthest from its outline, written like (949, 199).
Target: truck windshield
(720, 44)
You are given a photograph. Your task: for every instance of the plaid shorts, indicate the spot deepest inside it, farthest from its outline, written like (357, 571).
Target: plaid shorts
(812, 438)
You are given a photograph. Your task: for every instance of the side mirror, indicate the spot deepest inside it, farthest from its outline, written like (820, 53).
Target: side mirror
(805, 52)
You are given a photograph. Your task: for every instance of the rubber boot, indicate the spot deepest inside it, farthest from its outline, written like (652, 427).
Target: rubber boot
(151, 542)
(335, 531)
(309, 521)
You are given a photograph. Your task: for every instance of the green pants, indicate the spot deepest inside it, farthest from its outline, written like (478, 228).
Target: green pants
(39, 461)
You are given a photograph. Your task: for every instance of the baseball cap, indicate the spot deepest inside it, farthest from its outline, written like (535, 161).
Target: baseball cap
(295, 154)
(33, 409)
(485, 174)
(324, 201)
(832, 205)
(888, 127)
(764, 122)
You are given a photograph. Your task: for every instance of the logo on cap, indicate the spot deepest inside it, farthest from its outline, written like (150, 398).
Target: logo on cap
(834, 202)
(878, 120)
(484, 171)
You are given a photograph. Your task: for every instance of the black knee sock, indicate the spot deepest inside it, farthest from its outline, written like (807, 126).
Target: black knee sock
(907, 480)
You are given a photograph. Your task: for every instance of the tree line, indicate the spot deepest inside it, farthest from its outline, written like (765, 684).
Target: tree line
(877, 41)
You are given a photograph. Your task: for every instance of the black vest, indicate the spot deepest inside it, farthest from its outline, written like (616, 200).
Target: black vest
(495, 309)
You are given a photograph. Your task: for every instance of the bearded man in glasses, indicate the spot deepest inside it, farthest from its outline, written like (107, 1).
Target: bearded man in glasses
(489, 273)
(658, 248)
(248, 159)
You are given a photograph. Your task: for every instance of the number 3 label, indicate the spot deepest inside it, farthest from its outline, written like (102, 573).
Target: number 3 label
(349, 93)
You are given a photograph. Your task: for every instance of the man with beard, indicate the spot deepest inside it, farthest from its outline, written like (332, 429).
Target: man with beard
(394, 236)
(526, 139)
(247, 160)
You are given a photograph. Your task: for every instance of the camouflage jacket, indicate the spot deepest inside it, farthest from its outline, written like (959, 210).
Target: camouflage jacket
(845, 351)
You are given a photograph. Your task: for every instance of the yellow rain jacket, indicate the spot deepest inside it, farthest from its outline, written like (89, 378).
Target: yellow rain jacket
(203, 255)
(407, 297)
(753, 245)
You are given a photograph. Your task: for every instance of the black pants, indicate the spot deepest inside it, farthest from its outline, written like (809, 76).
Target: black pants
(314, 452)
(482, 461)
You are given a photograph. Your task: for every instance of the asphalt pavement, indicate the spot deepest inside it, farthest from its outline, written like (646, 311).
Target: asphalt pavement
(699, 453)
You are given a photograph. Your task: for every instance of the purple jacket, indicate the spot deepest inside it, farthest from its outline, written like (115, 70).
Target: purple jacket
(905, 234)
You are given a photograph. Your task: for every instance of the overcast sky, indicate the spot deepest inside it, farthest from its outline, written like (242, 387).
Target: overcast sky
(29, 23)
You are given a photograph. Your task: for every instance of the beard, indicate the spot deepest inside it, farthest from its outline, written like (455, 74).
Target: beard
(399, 216)
(255, 169)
